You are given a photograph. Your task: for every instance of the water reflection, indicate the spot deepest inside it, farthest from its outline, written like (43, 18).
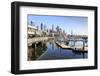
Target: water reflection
(35, 52)
(48, 50)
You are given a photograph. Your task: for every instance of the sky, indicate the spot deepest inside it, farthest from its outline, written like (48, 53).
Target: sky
(77, 24)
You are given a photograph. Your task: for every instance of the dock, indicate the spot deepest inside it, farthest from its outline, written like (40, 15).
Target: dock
(62, 45)
(75, 49)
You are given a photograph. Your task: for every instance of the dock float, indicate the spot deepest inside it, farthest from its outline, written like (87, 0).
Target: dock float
(75, 49)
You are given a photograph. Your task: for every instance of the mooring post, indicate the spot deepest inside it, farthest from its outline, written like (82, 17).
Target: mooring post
(83, 55)
(83, 44)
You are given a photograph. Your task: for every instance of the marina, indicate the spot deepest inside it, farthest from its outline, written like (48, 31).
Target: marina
(50, 50)
(64, 46)
(55, 42)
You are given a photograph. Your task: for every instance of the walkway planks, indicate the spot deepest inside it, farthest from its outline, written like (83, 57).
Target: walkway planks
(62, 45)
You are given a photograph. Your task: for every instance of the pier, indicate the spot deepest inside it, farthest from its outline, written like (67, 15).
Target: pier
(38, 39)
(82, 49)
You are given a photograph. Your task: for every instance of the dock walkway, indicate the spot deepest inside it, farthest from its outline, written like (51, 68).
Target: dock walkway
(77, 49)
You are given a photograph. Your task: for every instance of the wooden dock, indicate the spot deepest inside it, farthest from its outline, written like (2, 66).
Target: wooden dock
(62, 45)
(75, 49)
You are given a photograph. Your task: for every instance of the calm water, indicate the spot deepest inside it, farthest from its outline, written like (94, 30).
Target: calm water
(50, 51)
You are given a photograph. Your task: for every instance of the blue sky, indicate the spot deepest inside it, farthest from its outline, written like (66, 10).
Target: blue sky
(78, 24)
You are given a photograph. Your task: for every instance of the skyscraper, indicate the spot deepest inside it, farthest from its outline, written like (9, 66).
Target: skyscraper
(44, 27)
(71, 32)
(57, 28)
(32, 23)
(41, 26)
(53, 27)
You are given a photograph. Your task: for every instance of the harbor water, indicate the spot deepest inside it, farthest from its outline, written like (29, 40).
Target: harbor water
(49, 50)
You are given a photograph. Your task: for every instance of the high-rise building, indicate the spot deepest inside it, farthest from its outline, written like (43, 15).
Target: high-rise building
(41, 26)
(44, 27)
(52, 27)
(32, 23)
(57, 28)
(37, 27)
(71, 32)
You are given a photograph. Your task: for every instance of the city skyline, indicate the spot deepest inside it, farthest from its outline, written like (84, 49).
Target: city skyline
(79, 25)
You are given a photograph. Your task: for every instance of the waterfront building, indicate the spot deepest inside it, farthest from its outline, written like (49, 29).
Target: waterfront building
(33, 32)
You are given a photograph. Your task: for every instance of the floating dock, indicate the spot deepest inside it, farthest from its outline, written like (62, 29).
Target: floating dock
(75, 49)
(62, 45)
